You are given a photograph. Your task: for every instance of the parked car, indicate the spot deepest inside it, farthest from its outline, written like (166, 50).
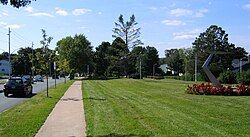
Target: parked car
(17, 86)
(38, 78)
(28, 78)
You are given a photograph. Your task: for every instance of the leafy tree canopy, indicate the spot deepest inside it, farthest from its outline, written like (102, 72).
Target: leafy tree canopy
(16, 3)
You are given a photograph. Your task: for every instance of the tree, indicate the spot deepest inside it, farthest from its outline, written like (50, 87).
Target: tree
(174, 60)
(22, 61)
(127, 31)
(16, 3)
(47, 53)
(216, 39)
(152, 60)
(77, 51)
(101, 59)
(117, 55)
(138, 57)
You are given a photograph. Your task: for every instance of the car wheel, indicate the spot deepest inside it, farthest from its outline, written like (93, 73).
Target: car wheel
(31, 91)
(6, 94)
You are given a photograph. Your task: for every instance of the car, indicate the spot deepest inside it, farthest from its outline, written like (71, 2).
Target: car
(38, 78)
(28, 78)
(17, 86)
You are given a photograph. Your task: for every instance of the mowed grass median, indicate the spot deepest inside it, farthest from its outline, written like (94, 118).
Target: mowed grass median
(127, 107)
(25, 119)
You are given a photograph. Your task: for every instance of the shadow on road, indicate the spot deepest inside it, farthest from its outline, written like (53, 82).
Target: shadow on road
(22, 96)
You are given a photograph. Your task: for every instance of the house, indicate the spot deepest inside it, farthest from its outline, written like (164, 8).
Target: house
(238, 65)
(4, 67)
(166, 69)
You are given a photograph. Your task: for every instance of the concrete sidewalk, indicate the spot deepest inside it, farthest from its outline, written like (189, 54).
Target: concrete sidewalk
(67, 118)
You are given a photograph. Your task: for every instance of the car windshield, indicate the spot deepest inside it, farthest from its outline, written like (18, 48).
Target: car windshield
(26, 76)
(38, 76)
(14, 82)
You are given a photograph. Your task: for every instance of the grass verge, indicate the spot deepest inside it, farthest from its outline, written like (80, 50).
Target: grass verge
(127, 107)
(25, 119)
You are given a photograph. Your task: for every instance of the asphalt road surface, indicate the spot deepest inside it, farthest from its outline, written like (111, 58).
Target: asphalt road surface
(8, 102)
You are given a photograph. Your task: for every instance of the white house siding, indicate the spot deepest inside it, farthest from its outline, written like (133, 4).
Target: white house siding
(4, 67)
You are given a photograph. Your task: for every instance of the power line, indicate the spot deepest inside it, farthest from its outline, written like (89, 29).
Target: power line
(21, 37)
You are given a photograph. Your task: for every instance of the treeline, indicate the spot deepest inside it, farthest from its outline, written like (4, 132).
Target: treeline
(114, 59)
(213, 40)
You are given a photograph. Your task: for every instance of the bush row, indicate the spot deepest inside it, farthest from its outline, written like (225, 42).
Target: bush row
(229, 77)
(208, 89)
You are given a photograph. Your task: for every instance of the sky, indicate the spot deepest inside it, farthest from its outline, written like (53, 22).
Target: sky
(165, 24)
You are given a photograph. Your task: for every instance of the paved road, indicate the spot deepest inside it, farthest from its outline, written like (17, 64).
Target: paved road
(6, 103)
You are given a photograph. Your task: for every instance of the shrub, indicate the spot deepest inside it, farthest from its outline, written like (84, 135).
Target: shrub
(158, 76)
(244, 77)
(227, 77)
(208, 89)
(135, 76)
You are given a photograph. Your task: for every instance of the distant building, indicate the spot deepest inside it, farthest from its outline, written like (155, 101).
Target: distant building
(4, 67)
(167, 70)
(237, 65)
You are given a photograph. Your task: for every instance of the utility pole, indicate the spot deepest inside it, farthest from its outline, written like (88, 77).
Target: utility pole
(10, 69)
(195, 73)
(32, 61)
(240, 65)
(140, 67)
(55, 72)
(88, 70)
(185, 69)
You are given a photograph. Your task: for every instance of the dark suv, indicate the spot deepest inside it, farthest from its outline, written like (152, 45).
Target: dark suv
(17, 86)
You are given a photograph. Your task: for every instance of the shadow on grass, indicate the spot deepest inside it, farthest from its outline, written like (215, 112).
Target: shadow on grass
(91, 98)
(22, 96)
(102, 78)
(121, 135)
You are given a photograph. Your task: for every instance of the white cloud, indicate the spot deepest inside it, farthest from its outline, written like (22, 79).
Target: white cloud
(181, 12)
(12, 26)
(188, 13)
(61, 12)
(29, 9)
(173, 22)
(187, 35)
(246, 6)
(153, 8)
(41, 14)
(83, 27)
(200, 13)
(78, 12)
(5, 14)
(173, 5)
(99, 13)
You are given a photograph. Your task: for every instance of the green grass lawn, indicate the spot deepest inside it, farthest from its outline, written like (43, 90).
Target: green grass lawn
(127, 107)
(25, 119)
